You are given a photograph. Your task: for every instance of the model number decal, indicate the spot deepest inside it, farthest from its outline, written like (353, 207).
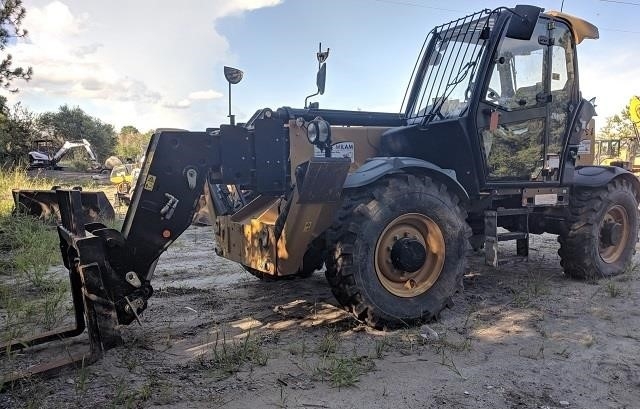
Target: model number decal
(338, 150)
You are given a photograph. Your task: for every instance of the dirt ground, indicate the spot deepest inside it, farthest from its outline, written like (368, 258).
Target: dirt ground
(522, 336)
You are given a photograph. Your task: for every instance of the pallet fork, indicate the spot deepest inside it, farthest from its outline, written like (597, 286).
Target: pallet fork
(91, 311)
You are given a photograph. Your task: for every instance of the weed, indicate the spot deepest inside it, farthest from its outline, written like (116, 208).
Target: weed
(145, 391)
(380, 347)
(344, 372)
(612, 289)
(449, 363)
(53, 301)
(444, 343)
(81, 382)
(120, 393)
(329, 343)
(630, 271)
(534, 286)
(18, 178)
(299, 348)
(469, 317)
(32, 247)
(130, 360)
(228, 357)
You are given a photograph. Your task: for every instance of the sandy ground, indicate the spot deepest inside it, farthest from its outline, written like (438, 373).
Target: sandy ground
(522, 336)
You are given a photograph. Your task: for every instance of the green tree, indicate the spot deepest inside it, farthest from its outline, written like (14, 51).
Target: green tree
(74, 124)
(618, 126)
(131, 143)
(11, 15)
(129, 129)
(18, 131)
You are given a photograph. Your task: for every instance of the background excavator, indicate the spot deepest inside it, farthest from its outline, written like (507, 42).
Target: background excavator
(43, 203)
(43, 156)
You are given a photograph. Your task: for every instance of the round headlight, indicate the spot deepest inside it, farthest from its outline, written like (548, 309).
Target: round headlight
(324, 131)
(268, 113)
(312, 132)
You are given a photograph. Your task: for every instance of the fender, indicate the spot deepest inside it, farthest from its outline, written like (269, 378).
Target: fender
(375, 168)
(598, 176)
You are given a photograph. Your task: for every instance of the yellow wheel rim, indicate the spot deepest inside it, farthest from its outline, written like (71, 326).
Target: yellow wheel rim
(415, 237)
(614, 234)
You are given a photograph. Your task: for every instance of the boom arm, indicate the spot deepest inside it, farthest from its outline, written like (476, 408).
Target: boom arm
(115, 267)
(68, 145)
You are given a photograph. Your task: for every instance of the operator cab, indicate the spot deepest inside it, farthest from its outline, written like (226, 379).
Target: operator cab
(499, 88)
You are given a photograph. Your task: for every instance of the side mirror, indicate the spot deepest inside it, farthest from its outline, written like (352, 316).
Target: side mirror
(523, 22)
(321, 78)
(233, 75)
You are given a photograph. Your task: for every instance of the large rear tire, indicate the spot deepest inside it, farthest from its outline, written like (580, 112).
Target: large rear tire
(602, 231)
(396, 252)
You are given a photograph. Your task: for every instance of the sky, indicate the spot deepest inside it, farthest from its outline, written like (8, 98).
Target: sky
(159, 63)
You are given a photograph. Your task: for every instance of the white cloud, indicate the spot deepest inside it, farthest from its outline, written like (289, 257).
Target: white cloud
(208, 94)
(128, 67)
(182, 104)
(53, 22)
(238, 6)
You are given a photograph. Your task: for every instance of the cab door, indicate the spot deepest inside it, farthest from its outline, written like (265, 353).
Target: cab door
(525, 106)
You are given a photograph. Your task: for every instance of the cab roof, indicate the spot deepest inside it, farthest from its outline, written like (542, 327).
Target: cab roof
(581, 28)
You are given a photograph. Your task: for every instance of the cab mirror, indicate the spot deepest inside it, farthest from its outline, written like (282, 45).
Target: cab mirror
(523, 22)
(321, 78)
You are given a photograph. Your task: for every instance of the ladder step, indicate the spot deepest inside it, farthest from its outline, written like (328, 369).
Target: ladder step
(513, 235)
(511, 212)
(511, 260)
(493, 238)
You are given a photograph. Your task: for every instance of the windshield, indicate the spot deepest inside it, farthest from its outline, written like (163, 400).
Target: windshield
(445, 73)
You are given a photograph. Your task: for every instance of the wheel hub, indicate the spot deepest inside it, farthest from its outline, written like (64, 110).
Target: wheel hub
(614, 234)
(408, 254)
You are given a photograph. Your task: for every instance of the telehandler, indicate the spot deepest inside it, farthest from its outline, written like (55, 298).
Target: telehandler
(389, 203)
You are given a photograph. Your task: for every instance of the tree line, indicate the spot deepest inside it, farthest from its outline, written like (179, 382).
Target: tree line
(20, 127)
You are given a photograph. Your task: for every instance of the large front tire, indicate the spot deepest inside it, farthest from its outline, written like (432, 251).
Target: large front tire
(602, 231)
(397, 251)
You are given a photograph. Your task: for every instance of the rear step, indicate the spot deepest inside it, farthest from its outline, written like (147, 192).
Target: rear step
(493, 237)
